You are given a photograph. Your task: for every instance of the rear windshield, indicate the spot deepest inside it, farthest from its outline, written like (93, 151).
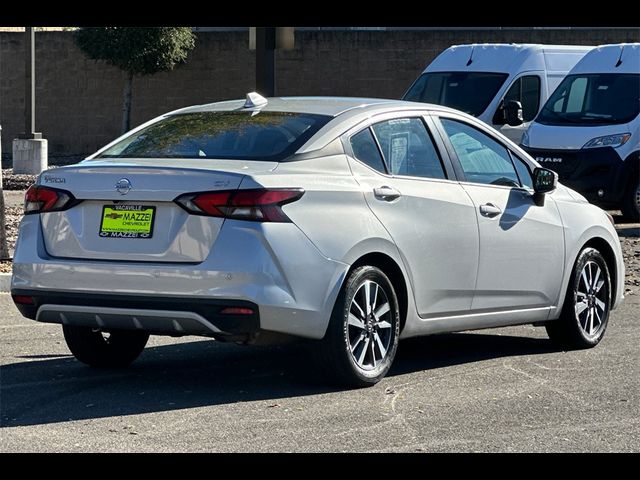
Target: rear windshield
(593, 99)
(269, 136)
(470, 92)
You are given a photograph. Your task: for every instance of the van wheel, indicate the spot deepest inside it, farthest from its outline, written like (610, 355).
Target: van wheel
(113, 349)
(585, 313)
(362, 337)
(631, 202)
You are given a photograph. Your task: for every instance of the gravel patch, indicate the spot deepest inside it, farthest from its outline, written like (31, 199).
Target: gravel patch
(16, 182)
(12, 217)
(631, 254)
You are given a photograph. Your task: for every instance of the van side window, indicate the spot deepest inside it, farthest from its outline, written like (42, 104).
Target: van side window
(365, 149)
(525, 90)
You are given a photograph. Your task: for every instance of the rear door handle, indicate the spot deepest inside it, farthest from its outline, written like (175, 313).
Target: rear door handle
(489, 210)
(386, 193)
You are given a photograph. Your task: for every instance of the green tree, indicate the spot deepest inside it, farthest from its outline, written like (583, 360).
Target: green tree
(137, 51)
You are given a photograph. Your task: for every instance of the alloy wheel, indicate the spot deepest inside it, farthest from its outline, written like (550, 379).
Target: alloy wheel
(369, 326)
(592, 299)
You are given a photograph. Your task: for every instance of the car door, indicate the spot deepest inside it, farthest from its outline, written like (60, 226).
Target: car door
(521, 244)
(525, 90)
(409, 187)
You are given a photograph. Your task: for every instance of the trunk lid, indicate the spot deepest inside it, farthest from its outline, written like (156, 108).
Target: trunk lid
(132, 188)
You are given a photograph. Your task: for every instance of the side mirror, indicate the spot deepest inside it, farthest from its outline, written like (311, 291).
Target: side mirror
(544, 181)
(513, 113)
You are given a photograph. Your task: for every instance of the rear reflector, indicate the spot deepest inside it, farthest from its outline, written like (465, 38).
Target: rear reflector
(258, 205)
(236, 311)
(40, 199)
(23, 299)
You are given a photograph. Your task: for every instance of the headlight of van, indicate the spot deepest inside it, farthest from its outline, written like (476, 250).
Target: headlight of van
(608, 141)
(525, 139)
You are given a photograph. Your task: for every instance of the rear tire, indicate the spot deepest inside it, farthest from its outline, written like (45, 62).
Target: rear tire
(631, 201)
(362, 337)
(585, 313)
(115, 349)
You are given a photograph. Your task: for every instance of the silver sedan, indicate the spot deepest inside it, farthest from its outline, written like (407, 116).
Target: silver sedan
(353, 222)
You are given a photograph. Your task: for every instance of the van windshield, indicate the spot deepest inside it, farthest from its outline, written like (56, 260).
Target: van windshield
(593, 99)
(270, 136)
(470, 92)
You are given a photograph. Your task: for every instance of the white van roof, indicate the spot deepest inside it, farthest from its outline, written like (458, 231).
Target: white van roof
(507, 58)
(615, 58)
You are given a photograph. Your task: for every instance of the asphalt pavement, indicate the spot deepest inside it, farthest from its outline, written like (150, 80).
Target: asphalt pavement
(493, 390)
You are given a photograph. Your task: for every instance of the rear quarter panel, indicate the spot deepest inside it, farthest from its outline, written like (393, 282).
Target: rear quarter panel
(332, 212)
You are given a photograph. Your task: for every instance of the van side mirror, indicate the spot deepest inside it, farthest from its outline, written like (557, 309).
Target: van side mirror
(513, 113)
(544, 181)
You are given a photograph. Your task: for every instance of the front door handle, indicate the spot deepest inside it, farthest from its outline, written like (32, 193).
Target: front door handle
(386, 193)
(489, 210)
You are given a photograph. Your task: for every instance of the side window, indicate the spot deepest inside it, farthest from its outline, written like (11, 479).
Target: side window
(483, 160)
(525, 90)
(530, 97)
(365, 149)
(408, 148)
(524, 173)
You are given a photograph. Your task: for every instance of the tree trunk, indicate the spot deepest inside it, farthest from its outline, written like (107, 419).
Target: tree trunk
(126, 104)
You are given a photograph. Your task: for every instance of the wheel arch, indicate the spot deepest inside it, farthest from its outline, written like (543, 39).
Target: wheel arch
(632, 161)
(630, 169)
(392, 270)
(606, 251)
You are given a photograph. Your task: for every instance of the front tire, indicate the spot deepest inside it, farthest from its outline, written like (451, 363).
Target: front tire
(362, 337)
(115, 349)
(585, 313)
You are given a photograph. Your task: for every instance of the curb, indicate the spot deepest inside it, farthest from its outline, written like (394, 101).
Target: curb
(5, 282)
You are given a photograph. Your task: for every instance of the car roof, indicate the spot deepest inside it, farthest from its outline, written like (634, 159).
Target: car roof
(346, 112)
(330, 106)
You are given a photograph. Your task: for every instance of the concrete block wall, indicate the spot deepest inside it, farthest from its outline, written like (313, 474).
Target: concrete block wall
(79, 101)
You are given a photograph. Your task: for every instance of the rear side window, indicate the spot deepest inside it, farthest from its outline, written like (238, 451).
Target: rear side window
(365, 149)
(408, 149)
(482, 159)
(269, 136)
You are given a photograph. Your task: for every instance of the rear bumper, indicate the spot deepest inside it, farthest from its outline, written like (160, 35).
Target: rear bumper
(587, 171)
(164, 315)
(273, 268)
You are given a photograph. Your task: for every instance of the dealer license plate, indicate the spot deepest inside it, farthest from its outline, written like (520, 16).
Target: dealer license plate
(127, 221)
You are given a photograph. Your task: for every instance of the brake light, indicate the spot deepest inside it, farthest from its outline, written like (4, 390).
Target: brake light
(258, 205)
(236, 311)
(23, 300)
(40, 199)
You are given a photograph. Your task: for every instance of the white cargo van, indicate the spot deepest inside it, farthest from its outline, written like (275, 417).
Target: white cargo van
(589, 129)
(483, 79)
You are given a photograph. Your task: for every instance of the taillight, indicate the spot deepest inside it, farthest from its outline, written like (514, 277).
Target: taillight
(236, 311)
(257, 205)
(23, 299)
(40, 199)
